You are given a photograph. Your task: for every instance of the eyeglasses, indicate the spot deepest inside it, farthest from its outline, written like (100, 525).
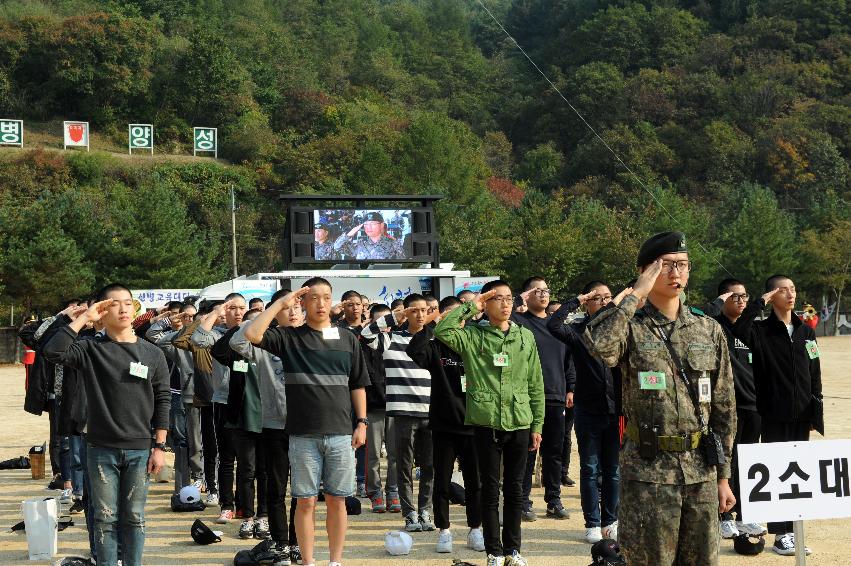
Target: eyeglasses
(740, 298)
(509, 299)
(602, 300)
(682, 265)
(541, 292)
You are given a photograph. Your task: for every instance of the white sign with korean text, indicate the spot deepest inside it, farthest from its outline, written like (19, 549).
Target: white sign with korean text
(11, 132)
(140, 136)
(205, 139)
(156, 298)
(795, 481)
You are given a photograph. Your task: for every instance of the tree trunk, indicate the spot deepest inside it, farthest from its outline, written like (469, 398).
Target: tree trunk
(838, 306)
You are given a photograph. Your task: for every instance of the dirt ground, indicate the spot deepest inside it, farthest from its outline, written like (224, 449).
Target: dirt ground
(547, 542)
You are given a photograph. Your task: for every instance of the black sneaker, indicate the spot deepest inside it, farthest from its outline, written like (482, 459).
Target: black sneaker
(283, 557)
(557, 511)
(528, 515)
(246, 529)
(567, 481)
(295, 555)
(77, 507)
(261, 528)
(412, 523)
(56, 482)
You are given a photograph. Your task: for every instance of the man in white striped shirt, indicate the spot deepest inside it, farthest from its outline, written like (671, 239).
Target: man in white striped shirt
(408, 396)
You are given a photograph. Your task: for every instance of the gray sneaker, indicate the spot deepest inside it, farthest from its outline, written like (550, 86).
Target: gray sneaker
(412, 523)
(528, 515)
(425, 521)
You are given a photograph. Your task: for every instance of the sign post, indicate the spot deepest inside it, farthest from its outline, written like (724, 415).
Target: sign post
(76, 134)
(205, 140)
(795, 481)
(140, 136)
(11, 132)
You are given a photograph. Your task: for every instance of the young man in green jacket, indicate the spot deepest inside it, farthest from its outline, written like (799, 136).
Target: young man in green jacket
(505, 405)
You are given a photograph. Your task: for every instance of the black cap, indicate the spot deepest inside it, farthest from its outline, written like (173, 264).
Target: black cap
(748, 545)
(353, 506)
(606, 552)
(202, 534)
(374, 217)
(661, 244)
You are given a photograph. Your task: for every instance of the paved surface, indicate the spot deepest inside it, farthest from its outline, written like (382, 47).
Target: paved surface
(547, 542)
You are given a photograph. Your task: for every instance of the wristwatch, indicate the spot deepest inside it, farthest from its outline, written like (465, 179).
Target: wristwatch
(363, 420)
(160, 445)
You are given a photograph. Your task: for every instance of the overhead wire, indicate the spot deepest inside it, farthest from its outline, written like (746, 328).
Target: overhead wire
(593, 130)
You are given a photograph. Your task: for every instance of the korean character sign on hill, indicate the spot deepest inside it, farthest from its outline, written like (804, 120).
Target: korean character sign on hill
(205, 140)
(76, 134)
(11, 132)
(140, 136)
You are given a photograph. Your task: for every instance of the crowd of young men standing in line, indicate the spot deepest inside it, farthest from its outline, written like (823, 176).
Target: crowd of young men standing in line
(288, 393)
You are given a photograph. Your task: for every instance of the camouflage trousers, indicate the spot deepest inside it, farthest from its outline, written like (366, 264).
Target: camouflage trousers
(662, 525)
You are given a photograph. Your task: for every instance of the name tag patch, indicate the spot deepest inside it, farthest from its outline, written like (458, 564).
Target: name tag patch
(812, 349)
(501, 360)
(331, 333)
(139, 370)
(704, 390)
(240, 365)
(652, 380)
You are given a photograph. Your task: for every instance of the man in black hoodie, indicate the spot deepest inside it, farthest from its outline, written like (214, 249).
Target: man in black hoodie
(597, 398)
(726, 309)
(451, 439)
(787, 375)
(559, 381)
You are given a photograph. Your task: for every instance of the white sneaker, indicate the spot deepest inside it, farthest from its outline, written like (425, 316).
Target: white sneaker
(476, 540)
(495, 560)
(729, 530)
(515, 560)
(784, 545)
(66, 494)
(593, 534)
(444, 541)
(753, 529)
(212, 498)
(611, 531)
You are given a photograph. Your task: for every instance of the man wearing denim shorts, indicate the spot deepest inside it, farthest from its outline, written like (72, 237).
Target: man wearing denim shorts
(325, 376)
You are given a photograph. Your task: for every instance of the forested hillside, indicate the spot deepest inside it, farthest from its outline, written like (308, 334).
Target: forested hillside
(736, 114)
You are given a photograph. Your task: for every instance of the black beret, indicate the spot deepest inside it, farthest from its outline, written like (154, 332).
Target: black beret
(374, 217)
(661, 244)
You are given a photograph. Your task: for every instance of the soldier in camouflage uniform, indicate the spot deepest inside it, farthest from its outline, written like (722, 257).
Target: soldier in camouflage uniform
(376, 246)
(669, 502)
(323, 249)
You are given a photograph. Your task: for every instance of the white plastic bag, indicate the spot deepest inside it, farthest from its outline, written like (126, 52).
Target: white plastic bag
(41, 517)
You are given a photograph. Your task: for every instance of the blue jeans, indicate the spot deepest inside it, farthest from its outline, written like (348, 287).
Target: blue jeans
(328, 459)
(177, 423)
(599, 448)
(77, 459)
(119, 482)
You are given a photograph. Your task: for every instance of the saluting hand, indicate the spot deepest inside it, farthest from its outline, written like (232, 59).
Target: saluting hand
(725, 296)
(354, 231)
(647, 279)
(620, 296)
(768, 297)
(95, 312)
(588, 296)
(288, 300)
(483, 298)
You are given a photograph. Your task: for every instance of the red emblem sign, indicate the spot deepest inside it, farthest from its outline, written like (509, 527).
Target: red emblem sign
(75, 132)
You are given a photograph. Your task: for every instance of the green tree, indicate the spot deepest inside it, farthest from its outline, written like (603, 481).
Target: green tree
(828, 261)
(759, 240)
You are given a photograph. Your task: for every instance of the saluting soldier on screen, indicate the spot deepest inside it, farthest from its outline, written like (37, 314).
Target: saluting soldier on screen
(376, 245)
(324, 248)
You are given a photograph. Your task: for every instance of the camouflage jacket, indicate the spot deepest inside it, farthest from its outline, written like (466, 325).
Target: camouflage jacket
(324, 251)
(629, 338)
(384, 248)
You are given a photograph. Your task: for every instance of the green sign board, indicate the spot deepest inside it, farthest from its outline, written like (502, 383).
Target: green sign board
(12, 132)
(205, 139)
(140, 136)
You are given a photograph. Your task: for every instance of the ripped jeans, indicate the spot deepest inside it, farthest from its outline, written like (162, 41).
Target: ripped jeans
(119, 488)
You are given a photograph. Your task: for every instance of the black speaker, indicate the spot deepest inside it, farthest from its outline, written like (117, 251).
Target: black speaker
(303, 222)
(420, 223)
(303, 251)
(422, 249)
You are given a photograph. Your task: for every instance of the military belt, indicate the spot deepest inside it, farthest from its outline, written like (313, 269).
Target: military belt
(681, 443)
